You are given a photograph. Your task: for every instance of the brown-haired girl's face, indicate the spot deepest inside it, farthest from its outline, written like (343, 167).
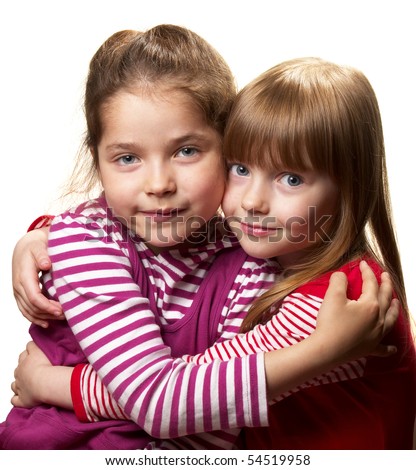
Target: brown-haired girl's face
(160, 165)
(279, 213)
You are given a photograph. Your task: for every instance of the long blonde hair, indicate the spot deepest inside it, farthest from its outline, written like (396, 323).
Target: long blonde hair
(310, 111)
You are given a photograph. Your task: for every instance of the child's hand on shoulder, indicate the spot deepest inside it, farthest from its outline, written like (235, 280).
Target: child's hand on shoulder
(354, 328)
(30, 257)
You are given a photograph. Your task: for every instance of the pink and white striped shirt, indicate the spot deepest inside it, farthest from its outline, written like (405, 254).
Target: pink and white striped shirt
(93, 277)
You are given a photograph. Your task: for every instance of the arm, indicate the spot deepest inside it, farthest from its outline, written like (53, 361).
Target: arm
(281, 381)
(29, 258)
(288, 328)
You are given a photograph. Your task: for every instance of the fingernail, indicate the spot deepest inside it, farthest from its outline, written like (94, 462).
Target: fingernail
(392, 349)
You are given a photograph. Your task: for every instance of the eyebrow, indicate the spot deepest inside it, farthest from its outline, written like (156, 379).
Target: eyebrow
(120, 146)
(199, 137)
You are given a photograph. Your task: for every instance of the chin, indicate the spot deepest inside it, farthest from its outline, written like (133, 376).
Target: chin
(256, 250)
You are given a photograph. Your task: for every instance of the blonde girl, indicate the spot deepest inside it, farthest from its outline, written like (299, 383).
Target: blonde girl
(308, 186)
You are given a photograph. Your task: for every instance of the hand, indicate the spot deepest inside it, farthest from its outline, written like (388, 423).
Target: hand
(29, 258)
(355, 328)
(31, 367)
(37, 381)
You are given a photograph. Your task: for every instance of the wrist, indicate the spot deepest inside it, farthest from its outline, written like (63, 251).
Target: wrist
(52, 385)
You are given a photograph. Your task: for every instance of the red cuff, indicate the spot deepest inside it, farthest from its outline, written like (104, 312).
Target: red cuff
(42, 221)
(76, 394)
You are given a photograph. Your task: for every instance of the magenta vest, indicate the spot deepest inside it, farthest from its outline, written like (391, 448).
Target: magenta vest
(48, 427)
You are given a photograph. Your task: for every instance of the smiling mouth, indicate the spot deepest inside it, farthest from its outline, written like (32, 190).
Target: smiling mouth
(162, 215)
(258, 230)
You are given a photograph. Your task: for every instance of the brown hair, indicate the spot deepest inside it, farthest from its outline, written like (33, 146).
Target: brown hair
(167, 56)
(309, 111)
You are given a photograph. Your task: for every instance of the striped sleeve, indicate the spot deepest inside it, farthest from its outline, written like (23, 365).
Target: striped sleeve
(119, 335)
(293, 321)
(254, 278)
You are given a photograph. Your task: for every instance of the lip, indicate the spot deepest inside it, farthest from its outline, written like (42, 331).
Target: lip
(162, 215)
(257, 230)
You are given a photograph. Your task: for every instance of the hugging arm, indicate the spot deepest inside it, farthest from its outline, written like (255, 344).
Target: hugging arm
(346, 330)
(151, 383)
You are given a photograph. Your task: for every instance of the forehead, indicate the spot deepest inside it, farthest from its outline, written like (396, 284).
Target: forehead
(141, 110)
(158, 97)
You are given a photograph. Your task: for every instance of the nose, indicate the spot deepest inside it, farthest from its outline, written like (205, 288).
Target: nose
(255, 200)
(160, 180)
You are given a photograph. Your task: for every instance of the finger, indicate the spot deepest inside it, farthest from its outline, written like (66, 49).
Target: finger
(370, 287)
(40, 252)
(337, 288)
(36, 305)
(22, 356)
(15, 401)
(392, 315)
(42, 260)
(24, 311)
(30, 347)
(385, 292)
(30, 315)
(41, 304)
(383, 350)
(25, 306)
(13, 387)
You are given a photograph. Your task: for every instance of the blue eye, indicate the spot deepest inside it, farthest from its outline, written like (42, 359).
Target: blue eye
(292, 180)
(127, 160)
(239, 170)
(187, 152)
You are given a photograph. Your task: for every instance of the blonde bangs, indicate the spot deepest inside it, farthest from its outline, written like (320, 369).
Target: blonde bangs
(280, 125)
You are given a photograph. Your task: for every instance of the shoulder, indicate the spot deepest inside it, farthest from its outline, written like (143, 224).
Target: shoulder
(319, 286)
(93, 209)
(92, 216)
(90, 221)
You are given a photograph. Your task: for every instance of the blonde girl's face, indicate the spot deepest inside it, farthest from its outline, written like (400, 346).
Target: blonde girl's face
(281, 213)
(160, 165)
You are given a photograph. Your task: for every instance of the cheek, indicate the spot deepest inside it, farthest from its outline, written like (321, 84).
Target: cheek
(211, 187)
(118, 193)
(230, 201)
(209, 190)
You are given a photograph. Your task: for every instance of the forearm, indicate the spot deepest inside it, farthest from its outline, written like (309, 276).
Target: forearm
(286, 371)
(53, 386)
(287, 368)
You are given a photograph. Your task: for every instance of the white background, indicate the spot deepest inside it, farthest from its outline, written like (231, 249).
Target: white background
(45, 50)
